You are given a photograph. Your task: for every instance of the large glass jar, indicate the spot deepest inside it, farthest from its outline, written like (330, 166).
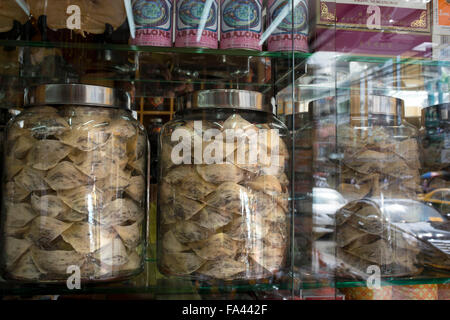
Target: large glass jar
(383, 226)
(74, 186)
(223, 206)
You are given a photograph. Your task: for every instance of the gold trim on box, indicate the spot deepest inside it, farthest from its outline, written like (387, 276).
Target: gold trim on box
(421, 22)
(325, 14)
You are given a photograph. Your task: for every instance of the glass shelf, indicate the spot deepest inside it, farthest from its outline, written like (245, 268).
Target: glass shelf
(165, 50)
(384, 282)
(148, 282)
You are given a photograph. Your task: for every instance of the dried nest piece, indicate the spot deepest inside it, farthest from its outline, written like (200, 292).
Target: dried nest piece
(218, 246)
(119, 211)
(86, 137)
(46, 154)
(219, 173)
(271, 258)
(18, 215)
(13, 250)
(10, 12)
(44, 230)
(130, 234)
(136, 188)
(13, 167)
(25, 269)
(113, 254)
(181, 263)
(43, 125)
(188, 182)
(95, 14)
(212, 219)
(31, 179)
(56, 261)
(52, 206)
(21, 146)
(84, 199)
(170, 243)
(186, 231)
(222, 269)
(230, 197)
(65, 176)
(267, 184)
(87, 238)
(15, 192)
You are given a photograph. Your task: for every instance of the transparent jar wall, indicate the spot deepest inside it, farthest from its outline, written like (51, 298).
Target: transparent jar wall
(384, 224)
(74, 194)
(224, 221)
(435, 143)
(316, 200)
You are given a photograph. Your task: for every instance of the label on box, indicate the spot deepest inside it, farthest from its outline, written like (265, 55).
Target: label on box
(376, 15)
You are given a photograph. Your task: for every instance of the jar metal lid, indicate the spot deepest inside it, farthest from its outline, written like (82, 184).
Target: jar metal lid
(226, 98)
(77, 94)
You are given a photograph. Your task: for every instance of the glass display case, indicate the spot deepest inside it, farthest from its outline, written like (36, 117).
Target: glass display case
(358, 92)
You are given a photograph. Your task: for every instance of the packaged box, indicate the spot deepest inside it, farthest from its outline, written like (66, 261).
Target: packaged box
(374, 27)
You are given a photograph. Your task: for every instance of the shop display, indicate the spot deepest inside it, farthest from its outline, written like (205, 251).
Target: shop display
(225, 200)
(241, 24)
(192, 29)
(154, 22)
(292, 32)
(227, 218)
(75, 186)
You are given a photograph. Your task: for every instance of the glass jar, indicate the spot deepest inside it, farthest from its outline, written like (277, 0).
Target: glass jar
(380, 225)
(74, 186)
(223, 208)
